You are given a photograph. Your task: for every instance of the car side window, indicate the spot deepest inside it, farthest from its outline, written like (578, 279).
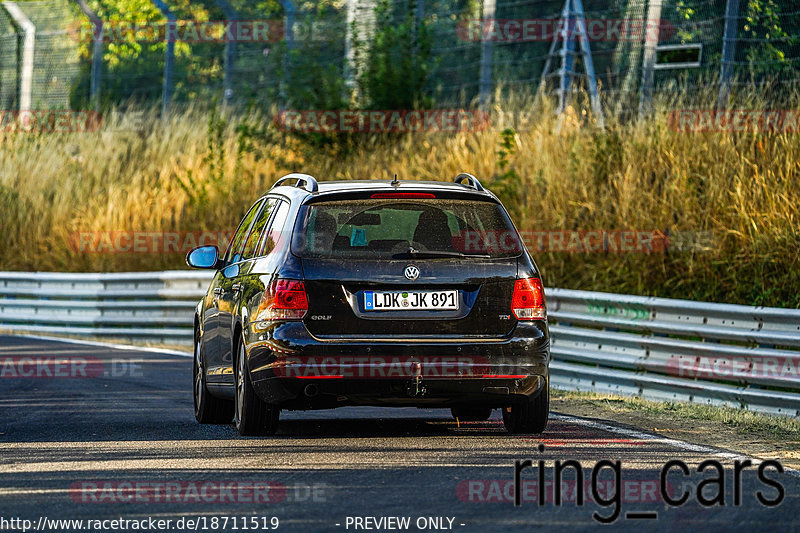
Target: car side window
(254, 237)
(234, 249)
(275, 234)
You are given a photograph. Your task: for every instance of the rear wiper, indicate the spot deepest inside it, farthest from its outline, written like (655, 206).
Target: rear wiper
(414, 254)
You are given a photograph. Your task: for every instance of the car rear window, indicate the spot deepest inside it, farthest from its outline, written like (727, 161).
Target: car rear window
(397, 228)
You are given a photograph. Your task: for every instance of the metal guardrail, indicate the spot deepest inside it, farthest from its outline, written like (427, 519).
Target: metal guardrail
(677, 350)
(156, 307)
(656, 348)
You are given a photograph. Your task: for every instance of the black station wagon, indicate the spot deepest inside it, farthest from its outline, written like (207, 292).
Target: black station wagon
(378, 293)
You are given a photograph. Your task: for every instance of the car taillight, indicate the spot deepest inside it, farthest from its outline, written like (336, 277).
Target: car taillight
(285, 299)
(527, 302)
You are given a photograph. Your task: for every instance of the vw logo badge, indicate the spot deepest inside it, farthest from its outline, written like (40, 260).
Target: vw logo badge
(412, 272)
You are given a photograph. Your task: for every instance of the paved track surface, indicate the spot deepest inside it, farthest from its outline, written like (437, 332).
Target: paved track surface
(69, 445)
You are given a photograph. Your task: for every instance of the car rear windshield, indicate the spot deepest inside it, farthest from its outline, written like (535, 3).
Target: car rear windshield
(404, 229)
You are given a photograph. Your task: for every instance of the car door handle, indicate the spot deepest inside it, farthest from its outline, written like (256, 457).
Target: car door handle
(236, 287)
(219, 291)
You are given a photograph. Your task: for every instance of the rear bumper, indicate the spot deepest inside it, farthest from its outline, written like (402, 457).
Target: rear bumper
(326, 394)
(292, 369)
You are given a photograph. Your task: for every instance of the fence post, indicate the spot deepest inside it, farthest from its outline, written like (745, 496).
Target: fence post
(97, 53)
(487, 54)
(230, 52)
(728, 51)
(26, 69)
(652, 33)
(169, 56)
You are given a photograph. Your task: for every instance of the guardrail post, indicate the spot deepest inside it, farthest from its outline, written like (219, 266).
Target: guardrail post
(26, 68)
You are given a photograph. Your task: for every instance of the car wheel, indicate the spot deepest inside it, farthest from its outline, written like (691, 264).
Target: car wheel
(252, 416)
(208, 409)
(471, 414)
(529, 416)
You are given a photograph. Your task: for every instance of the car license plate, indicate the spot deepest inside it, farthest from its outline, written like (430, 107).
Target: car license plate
(410, 301)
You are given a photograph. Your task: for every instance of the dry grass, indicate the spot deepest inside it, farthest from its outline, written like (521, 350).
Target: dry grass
(770, 428)
(744, 188)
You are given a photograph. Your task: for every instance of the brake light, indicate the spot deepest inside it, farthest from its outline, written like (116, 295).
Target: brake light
(285, 299)
(527, 302)
(403, 195)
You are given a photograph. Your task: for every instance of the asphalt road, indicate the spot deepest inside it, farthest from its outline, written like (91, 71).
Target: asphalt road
(114, 437)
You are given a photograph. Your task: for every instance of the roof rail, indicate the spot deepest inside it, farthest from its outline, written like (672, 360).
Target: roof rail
(308, 182)
(472, 181)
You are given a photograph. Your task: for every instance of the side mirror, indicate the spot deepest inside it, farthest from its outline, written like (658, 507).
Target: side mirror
(203, 257)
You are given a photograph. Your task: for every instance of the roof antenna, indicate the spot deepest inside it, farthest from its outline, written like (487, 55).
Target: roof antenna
(395, 181)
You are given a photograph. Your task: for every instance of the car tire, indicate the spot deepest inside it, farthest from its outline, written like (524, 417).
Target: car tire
(208, 409)
(251, 416)
(471, 413)
(529, 416)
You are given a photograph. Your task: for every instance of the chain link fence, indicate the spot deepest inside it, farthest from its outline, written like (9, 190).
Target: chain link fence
(317, 55)
(56, 59)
